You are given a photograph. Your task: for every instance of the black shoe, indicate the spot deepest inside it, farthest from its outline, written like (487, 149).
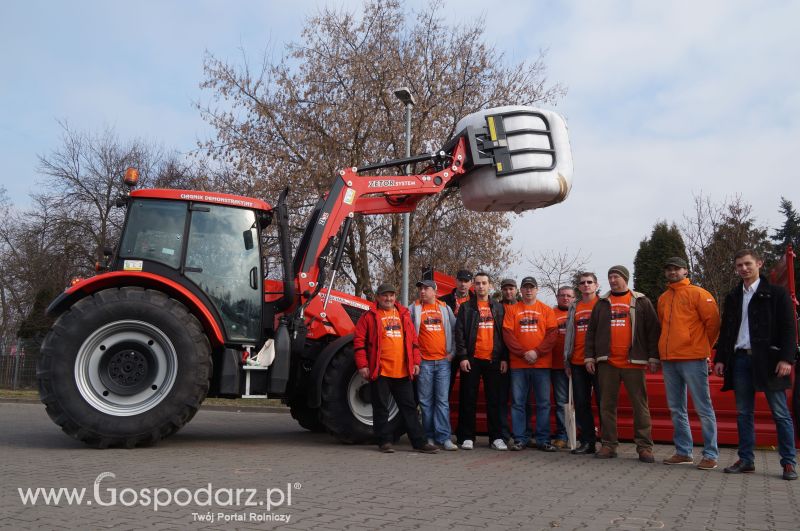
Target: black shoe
(386, 448)
(584, 448)
(546, 447)
(740, 467)
(789, 472)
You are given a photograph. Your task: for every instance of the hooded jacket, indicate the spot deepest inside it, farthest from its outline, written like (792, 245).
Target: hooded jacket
(367, 342)
(644, 331)
(689, 320)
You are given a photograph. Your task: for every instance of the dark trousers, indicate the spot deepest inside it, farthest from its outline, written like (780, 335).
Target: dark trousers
(582, 385)
(468, 399)
(609, 378)
(382, 391)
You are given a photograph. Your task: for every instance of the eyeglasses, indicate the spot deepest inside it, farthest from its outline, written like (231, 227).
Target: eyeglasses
(586, 282)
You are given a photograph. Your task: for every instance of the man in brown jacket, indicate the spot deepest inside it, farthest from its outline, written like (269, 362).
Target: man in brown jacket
(622, 341)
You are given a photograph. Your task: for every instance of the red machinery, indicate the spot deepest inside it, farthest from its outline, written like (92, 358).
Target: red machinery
(183, 310)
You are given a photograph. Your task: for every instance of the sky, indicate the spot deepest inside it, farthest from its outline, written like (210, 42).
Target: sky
(666, 100)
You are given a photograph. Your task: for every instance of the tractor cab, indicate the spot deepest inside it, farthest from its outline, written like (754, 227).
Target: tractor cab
(207, 242)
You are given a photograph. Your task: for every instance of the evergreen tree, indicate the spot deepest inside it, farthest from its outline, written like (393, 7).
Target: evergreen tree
(788, 234)
(648, 267)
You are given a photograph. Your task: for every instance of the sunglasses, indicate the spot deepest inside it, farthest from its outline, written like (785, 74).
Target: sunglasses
(586, 282)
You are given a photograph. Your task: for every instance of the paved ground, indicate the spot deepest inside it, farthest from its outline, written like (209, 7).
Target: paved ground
(334, 486)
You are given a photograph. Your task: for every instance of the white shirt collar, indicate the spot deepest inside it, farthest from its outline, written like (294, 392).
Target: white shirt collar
(753, 287)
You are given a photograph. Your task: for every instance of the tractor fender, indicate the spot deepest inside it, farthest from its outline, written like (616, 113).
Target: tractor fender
(320, 365)
(116, 279)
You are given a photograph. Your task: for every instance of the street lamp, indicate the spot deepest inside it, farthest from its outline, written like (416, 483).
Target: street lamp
(406, 98)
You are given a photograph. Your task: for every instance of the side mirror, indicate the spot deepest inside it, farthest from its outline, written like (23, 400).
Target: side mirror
(248, 239)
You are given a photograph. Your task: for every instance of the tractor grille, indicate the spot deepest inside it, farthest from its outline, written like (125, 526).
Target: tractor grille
(353, 312)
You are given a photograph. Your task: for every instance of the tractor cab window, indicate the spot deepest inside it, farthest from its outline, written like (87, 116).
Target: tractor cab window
(223, 258)
(155, 231)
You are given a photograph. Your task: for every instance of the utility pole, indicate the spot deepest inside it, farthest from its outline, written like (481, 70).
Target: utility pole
(405, 96)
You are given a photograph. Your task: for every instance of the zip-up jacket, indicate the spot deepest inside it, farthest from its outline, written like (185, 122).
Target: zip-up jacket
(367, 342)
(448, 323)
(645, 331)
(467, 331)
(689, 320)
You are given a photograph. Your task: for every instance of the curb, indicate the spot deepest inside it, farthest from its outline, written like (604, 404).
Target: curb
(203, 407)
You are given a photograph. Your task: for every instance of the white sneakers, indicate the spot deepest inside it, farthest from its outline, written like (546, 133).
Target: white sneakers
(449, 446)
(467, 445)
(498, 444)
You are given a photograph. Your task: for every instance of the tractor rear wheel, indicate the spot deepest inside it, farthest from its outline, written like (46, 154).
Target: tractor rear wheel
(124, 367)
(346, 409)
(307, 417)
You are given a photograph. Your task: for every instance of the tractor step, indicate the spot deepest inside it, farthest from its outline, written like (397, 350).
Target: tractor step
(248, 370)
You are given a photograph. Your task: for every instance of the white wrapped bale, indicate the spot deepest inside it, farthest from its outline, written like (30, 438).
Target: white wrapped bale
(532, 160)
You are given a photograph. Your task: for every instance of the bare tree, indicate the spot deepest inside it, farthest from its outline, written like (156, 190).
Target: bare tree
(554, 269)
(328, 104)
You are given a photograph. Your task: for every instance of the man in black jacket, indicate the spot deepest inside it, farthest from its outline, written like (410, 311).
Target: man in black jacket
(481, 354)
(755, 352)
(460, 294)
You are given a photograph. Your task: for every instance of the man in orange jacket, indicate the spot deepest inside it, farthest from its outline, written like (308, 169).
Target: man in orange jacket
(689, 327)
(387, 354)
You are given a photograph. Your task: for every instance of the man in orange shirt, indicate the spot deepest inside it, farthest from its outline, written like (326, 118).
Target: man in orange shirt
(689, 328)
(583, 382)
(622, 341)
(434, 322)
(529, 331)
(481, 354)
(386, 354)
(558, 376)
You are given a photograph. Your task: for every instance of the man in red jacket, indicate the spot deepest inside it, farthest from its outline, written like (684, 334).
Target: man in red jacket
(387, 354)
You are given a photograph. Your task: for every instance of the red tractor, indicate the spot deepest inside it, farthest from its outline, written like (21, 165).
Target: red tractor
(184, 311)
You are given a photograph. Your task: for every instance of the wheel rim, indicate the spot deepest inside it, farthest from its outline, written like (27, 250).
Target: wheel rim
(126, 368)
(359, 402)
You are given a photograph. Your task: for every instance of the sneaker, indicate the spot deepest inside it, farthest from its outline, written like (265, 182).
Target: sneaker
(467, 445)
(431, 442)
(789, 473)
(516, 447)
(386, 448)
(707, 464)
(560, 444)
(646, 456)
(546, 447)
(678, 460)
(499, 444)
(606, 453)
(740, 467)
(449, 446)
(427, 449)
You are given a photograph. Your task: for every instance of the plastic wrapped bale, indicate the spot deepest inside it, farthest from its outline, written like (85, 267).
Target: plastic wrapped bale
(522, 159)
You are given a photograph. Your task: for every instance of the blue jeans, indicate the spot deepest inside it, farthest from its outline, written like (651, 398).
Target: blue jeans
(433, 385)
(522, 381)
(745, 393)
(692, 375)
(560, 382)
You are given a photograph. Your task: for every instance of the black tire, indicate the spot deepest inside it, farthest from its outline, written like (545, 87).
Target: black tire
(124, 367)
(345, 411)
(307, 417)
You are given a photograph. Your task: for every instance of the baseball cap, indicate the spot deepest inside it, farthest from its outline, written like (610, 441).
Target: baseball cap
(529, 280)
(385, 288)
(508, 282)
(427, 283)
(464, 275)
(676, 261)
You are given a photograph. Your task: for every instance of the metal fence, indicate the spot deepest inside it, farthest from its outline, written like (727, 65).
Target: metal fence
(18, 360)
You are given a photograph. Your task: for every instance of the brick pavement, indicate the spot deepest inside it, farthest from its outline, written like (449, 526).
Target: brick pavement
(335, 486)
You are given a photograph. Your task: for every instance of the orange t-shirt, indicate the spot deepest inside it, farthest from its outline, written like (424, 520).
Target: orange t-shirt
(558, 349)
(621, 331)
(432, 339)
(529, 324)
(484, 343)
(459, 302)
(393, 356)
(583, 312)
